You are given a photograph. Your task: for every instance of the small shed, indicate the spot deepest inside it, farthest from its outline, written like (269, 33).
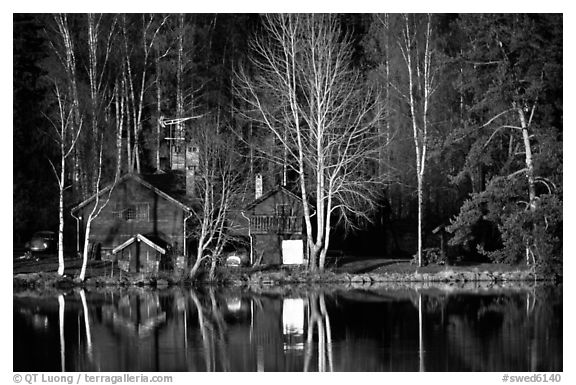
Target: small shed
(275, 227)
(140, 254)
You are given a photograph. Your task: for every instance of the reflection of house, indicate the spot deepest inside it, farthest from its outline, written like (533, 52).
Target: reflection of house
(293, 316)
(137, 314)
(275, 228)
(267, 334)
(144, 217)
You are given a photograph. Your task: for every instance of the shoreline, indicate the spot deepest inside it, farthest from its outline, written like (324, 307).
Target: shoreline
(258, 280)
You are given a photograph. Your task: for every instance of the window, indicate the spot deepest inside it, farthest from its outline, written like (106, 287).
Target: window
(135, 212)
(130, 213)
(283, 210)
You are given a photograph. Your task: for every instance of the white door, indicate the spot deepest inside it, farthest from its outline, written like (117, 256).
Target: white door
(292, 252)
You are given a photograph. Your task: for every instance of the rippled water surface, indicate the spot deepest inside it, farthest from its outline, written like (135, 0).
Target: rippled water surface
(176, 329)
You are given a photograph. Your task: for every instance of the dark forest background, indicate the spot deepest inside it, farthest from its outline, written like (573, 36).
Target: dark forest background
(476, 190)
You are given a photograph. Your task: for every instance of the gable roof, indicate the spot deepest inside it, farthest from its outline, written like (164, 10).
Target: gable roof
(139, 180)
(270, 193)
(142, 238)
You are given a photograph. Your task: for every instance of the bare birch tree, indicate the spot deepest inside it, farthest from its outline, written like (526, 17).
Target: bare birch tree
(415, 44)
(181, 60)
(306, 93)
(63, 47)
(101, 33)
(218, 183)
(135, 96)
(66, 140)
(119, 103)
(99, 203)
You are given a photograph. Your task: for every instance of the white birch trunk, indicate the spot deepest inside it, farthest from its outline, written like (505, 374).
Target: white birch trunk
(94, 213)
(61, 213)
(119, 104)
(86, 250)
(529, 173)
(423, 79)
(158, 111)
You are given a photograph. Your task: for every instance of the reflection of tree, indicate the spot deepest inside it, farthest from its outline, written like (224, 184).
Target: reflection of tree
(87, 325)
(318, 319)
(212, 329)
(508, 334)
(225, 329)
(203, 330)
(421, 350)
(61, 306)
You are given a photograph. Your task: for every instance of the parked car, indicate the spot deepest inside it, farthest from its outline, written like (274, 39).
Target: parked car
(236, 258)
(42, 242)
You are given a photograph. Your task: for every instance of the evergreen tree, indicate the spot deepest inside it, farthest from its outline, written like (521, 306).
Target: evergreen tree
(512, 135)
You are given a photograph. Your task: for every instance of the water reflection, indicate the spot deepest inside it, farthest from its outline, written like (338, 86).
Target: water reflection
(319, 320)
(177, 329)
(61, 308)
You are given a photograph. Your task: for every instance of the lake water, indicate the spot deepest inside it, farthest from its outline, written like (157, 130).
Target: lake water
(297, 329)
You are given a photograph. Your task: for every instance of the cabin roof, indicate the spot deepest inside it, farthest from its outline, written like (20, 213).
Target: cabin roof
(147, 240)
(270, 193)
(139, 179)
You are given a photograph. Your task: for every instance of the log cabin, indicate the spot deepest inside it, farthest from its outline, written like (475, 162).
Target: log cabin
(143, 224)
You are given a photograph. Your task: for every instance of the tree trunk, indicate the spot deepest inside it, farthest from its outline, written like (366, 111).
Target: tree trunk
(529, 175)
(158, 110)
(94, 213)
(326, 230)
(212, 273)
(198, 261)
(129, 161)
(137, 149)
(119, 104)
(82, 275)
(314, 255)
(528, 160)
(179, 76)
(420, 218)
(61, 215)
(423, 77)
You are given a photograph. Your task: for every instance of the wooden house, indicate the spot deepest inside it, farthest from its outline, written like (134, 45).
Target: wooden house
(141, 223)
(275, 226)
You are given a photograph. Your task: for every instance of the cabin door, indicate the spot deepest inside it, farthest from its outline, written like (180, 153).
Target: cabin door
(292, 252)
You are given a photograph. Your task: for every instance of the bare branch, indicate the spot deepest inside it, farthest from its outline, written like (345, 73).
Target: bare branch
(522, 171)
(55, 172)
(497, 116)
